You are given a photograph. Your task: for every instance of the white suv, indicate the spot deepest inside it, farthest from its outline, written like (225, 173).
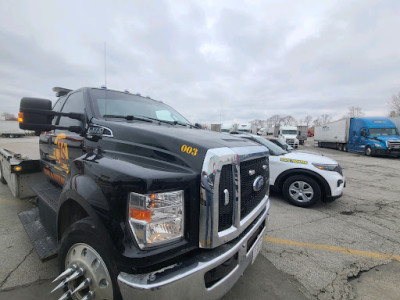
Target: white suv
(303, 178)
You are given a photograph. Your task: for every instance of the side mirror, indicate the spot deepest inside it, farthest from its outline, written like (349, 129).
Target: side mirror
(34, 113)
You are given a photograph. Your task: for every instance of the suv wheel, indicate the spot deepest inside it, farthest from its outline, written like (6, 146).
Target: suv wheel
(301, 190)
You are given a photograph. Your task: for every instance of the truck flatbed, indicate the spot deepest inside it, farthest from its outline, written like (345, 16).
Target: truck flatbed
(19, 165)
(26, 146)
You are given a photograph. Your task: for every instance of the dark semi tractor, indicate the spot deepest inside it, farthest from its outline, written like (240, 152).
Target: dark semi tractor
(137, 202)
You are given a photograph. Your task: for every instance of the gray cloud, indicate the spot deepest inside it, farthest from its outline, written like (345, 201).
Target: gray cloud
(212, 61)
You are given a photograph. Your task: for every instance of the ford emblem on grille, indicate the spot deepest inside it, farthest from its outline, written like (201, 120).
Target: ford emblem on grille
(258, 183)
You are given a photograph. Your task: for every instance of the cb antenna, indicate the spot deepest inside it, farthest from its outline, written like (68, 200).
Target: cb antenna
(105, 64)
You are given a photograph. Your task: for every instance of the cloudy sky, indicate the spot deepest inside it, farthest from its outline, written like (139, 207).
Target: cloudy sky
(211, 60)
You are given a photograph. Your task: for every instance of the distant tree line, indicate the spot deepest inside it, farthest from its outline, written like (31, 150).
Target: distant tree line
(353, 112)
(277, 120)
(8, 117)
(395, 106)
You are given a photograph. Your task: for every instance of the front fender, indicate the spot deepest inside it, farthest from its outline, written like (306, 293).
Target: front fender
(84, 193)
(101, 185)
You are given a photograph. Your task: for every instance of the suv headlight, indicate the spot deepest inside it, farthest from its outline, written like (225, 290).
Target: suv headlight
(326, 167)
(156, 218)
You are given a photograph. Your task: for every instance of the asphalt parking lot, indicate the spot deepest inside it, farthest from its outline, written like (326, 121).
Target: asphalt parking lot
(348, 249)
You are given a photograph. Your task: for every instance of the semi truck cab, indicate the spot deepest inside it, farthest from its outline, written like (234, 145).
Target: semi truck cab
(289, 134)
(374, 136)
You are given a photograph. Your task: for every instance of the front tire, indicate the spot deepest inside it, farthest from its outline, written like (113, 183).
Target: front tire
(301, 190)
(369, 151)
(83, 250)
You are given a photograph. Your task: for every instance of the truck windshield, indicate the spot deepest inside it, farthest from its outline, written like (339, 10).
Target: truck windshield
(118, 104)
(293, 132)
(383, 131)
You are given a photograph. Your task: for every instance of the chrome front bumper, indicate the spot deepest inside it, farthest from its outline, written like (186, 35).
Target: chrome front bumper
(186, 280)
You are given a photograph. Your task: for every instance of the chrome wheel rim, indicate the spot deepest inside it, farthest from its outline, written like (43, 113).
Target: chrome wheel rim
(368, 151)
(95, 280)
(301, 191)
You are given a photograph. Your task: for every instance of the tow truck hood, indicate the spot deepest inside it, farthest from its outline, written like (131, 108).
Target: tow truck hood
(169, 143)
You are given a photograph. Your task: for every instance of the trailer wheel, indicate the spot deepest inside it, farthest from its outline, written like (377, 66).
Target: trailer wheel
(2, 179)
(301, 190)
(345, 148)
(90, 265)
(340, 147)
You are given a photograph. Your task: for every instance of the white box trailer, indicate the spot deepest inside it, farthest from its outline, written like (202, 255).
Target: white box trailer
(334, 132)
(302, 133)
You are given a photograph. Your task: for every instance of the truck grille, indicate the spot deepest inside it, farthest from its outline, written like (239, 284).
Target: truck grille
(249, 197)
(228, 201)
(225, 219)
(392, 145)
(290, 142)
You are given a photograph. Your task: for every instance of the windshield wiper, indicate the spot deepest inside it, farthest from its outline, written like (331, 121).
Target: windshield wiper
(168, 122)
(147, 119)
(129, 118)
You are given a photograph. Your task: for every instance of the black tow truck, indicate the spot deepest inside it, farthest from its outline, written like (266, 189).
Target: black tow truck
(137, 202)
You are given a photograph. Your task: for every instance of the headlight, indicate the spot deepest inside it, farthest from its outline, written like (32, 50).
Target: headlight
(327, 167)
(156, 218)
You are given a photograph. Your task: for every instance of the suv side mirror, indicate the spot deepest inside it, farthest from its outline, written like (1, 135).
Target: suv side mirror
(36, 114)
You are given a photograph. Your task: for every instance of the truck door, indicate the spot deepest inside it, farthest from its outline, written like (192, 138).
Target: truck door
(363, 139)
(355, 143)
(64, 145)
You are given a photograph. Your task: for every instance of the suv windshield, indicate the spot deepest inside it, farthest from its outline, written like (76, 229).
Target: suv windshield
(282, 144)
(118, 104)
(383, 131)
(274, 149)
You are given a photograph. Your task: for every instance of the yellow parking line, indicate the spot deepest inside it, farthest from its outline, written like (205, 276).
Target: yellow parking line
(375, 255)
(9, 201)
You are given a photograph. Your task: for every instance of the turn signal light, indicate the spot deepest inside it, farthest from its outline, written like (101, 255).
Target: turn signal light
(21, 117)
(17, 168)
(138, 214)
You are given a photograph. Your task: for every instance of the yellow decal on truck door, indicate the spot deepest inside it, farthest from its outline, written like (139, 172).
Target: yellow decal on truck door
(60, 152)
